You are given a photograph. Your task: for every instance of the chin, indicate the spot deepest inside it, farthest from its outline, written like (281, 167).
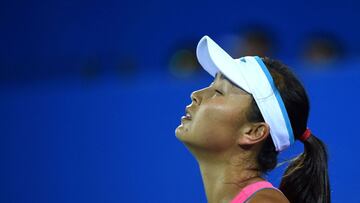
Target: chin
(181, 133)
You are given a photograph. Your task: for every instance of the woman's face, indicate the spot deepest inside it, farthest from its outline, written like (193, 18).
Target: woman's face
(217, 114)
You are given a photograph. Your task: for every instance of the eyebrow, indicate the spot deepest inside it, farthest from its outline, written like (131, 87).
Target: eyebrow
(222, 76)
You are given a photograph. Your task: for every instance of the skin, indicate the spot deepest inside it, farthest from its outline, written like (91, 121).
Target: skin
(224, 142)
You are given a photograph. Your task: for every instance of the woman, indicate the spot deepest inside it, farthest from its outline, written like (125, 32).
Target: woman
(236, 127)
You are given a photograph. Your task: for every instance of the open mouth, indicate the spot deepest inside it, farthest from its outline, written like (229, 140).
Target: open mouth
(187, 115)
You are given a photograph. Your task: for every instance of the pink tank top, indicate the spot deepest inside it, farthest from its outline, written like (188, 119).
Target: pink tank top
(250, 190)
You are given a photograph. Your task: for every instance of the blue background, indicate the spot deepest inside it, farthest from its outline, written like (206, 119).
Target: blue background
(66, 136)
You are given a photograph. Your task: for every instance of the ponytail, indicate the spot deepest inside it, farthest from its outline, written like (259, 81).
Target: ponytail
(306, 179)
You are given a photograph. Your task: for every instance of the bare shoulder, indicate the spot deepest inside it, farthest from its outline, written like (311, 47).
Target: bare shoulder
(268, 196)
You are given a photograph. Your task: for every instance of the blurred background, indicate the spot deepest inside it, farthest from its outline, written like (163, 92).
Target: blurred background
(91, 91)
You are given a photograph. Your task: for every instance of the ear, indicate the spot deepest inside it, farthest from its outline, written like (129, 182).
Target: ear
(253, 133)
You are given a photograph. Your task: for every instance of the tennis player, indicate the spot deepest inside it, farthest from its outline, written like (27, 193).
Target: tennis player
(235, 128)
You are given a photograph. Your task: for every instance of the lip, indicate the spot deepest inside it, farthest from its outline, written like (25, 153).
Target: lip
(185, 118)
(188, 115)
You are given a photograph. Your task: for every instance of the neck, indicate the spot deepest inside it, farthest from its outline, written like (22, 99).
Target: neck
(223, 180)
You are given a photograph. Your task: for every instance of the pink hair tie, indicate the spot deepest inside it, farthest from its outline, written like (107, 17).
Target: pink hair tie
(306, 135)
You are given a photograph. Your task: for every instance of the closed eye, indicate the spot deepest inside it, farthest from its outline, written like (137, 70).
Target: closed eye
(219, 92)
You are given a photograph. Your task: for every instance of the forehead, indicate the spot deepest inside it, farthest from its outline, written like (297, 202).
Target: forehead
(219, 77)
(222, 79)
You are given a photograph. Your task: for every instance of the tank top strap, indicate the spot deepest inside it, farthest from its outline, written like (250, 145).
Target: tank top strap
(251, 189)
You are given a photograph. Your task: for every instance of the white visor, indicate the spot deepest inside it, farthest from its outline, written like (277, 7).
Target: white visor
(251, 74)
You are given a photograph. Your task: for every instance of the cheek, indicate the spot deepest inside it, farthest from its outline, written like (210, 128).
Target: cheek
(216, 125)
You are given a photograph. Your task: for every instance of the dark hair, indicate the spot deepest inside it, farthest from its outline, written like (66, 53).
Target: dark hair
(306, 178)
